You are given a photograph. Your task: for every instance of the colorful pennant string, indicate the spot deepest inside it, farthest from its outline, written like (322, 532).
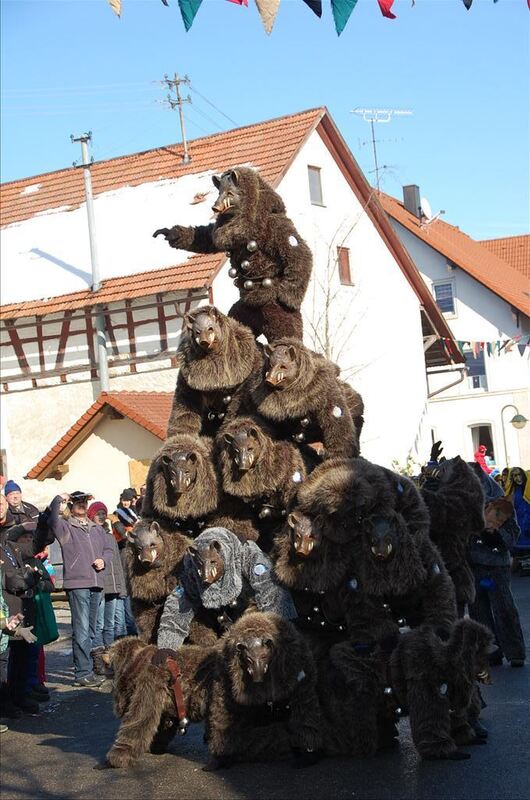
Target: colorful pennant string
(315, 6)
(494, 348)
(188, 9)
(341, 13)
(385, 6)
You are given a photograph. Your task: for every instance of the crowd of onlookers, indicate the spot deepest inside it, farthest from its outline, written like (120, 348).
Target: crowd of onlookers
(92, 543)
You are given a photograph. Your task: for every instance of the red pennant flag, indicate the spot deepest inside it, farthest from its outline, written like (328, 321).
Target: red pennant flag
(385, 6)
(475, 349)
(239, 2)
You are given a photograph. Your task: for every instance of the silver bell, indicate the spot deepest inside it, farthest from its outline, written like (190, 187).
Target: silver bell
(316, 608)
(245, 264)
(322, 623)
(228, 253)
(211, 415)
(304, 422)
(227, 398)
(399, 711)
(232, 272)
(299, 437)
(252, 246)
(221, 415)
(387, 690)
(248, 284)
(266, 283)
(265, 512)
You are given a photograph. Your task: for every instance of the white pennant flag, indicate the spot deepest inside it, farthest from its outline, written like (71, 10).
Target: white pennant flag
(116, 6)
(267, 11)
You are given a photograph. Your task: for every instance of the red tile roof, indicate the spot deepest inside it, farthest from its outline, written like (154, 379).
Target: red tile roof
(515, 250)
(196, 273)
(150, 410)
(270, 146)
(466, 253)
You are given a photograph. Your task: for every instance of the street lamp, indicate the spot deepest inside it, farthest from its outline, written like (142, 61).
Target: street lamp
(518, 421)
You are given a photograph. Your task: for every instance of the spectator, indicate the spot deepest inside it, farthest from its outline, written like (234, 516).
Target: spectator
(125, 516)
(494, 606)
(518, 489)
(23, 578)
(19, 511)
(139, 502)
(114, 591)
(504, 478)
(480, 458)
(4, 508)
(86, 550)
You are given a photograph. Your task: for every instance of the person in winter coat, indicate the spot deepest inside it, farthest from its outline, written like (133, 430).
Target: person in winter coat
(87, 550)
(489, 556)
(242, 575)
(125, 515)
(24, 576)
(19, 511)
(480, 458)
(518, 489)
(113, 591)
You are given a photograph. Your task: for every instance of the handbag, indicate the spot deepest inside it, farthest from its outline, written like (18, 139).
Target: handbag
(45, 627)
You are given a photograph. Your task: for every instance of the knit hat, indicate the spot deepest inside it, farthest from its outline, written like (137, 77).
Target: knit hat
(11, 486)
(128, 494)
(95, 507)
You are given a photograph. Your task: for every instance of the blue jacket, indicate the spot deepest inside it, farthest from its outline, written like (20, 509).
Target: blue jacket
(81, 545)
(522, 512)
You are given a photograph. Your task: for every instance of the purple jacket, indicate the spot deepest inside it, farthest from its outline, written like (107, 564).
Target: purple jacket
(81, 545)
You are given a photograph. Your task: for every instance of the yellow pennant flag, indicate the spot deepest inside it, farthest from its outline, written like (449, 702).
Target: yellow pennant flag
(267, 11)
(116, 6)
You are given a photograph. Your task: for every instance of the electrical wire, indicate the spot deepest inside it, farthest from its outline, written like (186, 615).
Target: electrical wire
(193, 89)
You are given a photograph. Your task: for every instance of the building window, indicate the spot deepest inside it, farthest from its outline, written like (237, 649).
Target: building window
(482, 434)
(444, 296)
(343, 258)
(476, 370)
(315, 186)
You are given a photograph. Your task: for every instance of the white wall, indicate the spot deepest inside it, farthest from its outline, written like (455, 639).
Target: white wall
(101, 464)
(480, 315)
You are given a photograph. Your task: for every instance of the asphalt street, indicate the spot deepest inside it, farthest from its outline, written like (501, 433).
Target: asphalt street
(53, 755)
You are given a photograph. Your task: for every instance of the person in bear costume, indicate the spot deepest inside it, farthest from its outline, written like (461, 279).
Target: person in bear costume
(270, 262)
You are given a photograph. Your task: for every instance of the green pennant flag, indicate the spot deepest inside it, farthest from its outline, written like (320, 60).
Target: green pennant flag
(188, 9)
(341, 13)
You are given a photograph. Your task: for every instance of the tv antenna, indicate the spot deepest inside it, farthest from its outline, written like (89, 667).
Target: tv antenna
(372, 115)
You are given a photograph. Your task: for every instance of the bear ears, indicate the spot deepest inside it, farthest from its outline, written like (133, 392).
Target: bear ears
(231, 174)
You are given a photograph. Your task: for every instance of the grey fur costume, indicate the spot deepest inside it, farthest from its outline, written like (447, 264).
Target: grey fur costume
(247, 578)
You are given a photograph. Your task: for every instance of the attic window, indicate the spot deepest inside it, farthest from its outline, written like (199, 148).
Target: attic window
(315, 186)
(343, 258)
(444, 296)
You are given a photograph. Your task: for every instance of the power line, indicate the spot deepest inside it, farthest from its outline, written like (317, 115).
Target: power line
(193, 89)
(206, 116)
(77, 90)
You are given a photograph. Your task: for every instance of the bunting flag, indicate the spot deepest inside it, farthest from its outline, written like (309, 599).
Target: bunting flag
(188, 9)
(239, 2)
(492, 349)
(267, 11)
(385, 6)
(116, 7)
(341, 13)
(315, 6)
(468, 3)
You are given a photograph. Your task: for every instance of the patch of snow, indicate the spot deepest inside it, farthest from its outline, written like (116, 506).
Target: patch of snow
(31, 189)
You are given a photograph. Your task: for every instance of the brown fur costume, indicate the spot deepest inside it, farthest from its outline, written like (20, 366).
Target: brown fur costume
(262, 473)
(210, 380)
(144, 701)
(355, 404)
(149, 582)
(188, 511)
(312, 408)
(436, 681)
(249, 720)
(456, 506)
(266, 252)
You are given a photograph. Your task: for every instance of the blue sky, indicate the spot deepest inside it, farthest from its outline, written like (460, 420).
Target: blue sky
(72, 65)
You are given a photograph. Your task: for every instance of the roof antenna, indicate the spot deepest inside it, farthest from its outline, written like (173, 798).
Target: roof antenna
(174, 85)
(372, 115)
(427, 217)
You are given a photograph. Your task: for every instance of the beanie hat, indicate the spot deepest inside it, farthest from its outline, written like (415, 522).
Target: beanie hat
(95, 507)
(128, 494)
(11, 486)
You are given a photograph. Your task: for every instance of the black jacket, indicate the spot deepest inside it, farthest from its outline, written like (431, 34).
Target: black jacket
(22, 581)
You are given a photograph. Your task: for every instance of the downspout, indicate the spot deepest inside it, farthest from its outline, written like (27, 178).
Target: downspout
(462, 369)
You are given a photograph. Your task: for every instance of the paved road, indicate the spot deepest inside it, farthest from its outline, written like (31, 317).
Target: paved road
(52, 756)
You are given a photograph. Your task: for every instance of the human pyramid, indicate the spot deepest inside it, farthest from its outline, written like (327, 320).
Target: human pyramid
(292, 595)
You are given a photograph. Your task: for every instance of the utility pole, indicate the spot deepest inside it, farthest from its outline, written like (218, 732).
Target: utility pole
(372, 115)
(101, 335)
(174, 85)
